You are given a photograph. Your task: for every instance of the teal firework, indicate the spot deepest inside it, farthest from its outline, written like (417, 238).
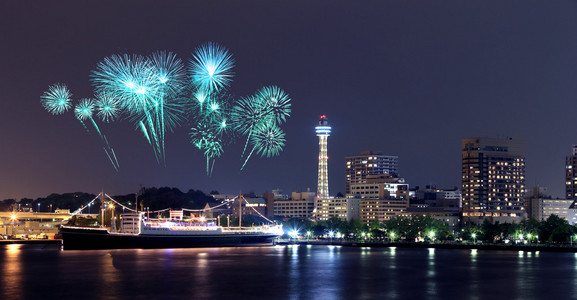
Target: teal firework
(84, 109)
(267, 140)
(57, 99)
(158, 93)
(107, 106)
(211, 67)
(276, 103)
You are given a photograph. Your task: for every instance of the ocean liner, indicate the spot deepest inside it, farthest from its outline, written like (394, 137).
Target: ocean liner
(138, 231)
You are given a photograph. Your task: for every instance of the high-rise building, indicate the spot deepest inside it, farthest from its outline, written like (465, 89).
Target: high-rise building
(323, 131)
(359, 167)
(571, 175)
(301, 205)
(345, 209)
(493, 180)
(372, 210)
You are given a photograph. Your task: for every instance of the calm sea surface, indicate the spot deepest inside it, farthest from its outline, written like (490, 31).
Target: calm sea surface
(284, 272)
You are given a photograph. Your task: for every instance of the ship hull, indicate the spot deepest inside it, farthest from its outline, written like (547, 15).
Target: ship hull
(96, 238)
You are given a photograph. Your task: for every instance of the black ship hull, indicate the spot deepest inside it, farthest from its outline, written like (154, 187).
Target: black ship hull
(85, 239)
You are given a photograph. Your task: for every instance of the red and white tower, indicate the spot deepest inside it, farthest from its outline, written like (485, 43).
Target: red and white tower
(323, 131)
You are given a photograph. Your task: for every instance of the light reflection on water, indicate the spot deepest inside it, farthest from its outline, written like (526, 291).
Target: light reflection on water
(285, 272)
(12, 271)
(474, 280)
(431, 274)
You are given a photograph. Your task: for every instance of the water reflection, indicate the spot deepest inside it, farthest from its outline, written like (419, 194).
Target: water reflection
(392, 251)
(431, 274)
(286, 272)
(473, 273)
(109, 275)
(11, 282)
(525, 276)
(294, 273)
(574, 285)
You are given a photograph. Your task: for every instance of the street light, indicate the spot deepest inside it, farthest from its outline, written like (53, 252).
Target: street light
(13, 221)
(392, 236)
(38, 210)
(294, 234)
(432, 235)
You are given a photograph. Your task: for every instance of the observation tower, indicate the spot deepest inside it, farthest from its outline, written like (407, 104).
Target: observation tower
(323, 131)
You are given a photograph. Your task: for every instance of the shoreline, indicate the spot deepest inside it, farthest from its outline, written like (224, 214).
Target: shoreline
(501, 247)
(498, 247)
(34, 242)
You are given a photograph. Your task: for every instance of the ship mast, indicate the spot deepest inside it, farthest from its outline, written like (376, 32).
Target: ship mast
(240, 210)
(102, 208)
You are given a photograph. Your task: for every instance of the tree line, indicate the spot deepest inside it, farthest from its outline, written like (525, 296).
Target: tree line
(425, 228)
(151, 198)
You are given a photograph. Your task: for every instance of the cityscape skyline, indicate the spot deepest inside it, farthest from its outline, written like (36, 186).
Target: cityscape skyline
(405, 79)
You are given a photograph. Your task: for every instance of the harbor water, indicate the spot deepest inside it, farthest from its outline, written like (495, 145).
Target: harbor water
(284, 272)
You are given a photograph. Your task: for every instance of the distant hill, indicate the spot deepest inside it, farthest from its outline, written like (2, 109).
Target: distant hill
(153, 198)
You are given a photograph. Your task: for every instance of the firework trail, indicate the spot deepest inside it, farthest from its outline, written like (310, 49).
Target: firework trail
(276, 103)
(107, 106)
(158, 93)
(268, 140)
(170, 76)
(147, 90)
(57, 99)
(84, 111)
(263, 112)
(211, 129)
(210, 72)
(247, 113)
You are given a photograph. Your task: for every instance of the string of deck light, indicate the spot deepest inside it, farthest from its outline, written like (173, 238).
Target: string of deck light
(227, 201)
(82, 208)
(166, 209)
(119, 204)
(211, 208)
(257, 211)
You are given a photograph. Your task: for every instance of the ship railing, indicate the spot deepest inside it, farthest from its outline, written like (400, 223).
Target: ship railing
(263, 229)
(181, 226)
(89, 228)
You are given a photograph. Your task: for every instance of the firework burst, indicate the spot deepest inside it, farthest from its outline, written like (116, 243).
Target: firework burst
(107, 106)
(84, 111)
(276, 103)
(158, 93)
(57, 99)
(211, 67)
(267, 140)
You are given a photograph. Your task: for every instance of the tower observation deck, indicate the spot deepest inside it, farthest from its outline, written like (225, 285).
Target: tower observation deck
(323, 131)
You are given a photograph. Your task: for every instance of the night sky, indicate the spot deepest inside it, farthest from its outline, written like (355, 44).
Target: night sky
(406, 78)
